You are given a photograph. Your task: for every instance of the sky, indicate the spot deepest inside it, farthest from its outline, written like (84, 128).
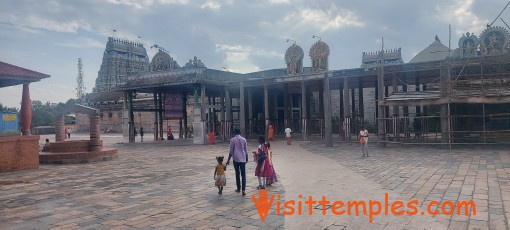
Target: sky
(242, 36)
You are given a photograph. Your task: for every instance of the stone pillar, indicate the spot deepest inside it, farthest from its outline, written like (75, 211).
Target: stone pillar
(266, 111)
(95, 138)
(396, 110)
(156, 126)
(321, 109)
(26, 110)
(60, 128)
(222, 114)
(347, 111)
(250, 113)
(228, 115)
(327, 112)
(275, 119)
(381, 124)
(445, 121)
(286, 109)
(202, 103)
(185, 114)
(242, 109)
(304, 113)
(405, 109)
(417, 88)
(361, 106)
(160, 111)
(131, 118)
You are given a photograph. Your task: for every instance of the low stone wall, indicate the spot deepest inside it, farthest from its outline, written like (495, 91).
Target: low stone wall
(106, 154)
(19, 153)
(69, 146)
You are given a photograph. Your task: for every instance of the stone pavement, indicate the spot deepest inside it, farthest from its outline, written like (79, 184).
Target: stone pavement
(169, 185)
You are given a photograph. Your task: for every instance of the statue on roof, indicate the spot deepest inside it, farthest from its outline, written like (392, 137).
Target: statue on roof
(319, 53)
(294, 59)
(194, 63)
(494, 40)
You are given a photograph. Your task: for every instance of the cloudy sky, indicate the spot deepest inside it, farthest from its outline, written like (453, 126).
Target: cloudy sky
(241, 35)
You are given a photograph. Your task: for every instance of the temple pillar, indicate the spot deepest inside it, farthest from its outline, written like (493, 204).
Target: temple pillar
(327, 111)
(131, 117)
(26, 110)
(160, 112)
(222, 116)
(228, 115)
(381, 124)
(405, 109)
(242, 110)
(445, 121)
(347, 116)
(361, 106)
(250, 112)
(396, 110)
(321, 109)
(266, 111)
(417, 85)
(185, 115)
(156, 126)
(286, 106)
(60, 128)
(95, 138)
(304, 117)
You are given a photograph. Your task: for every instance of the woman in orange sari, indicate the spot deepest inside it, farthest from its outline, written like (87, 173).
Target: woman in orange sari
(270, 133)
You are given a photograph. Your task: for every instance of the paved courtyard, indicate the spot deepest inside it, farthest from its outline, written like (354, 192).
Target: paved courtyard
(169, 185)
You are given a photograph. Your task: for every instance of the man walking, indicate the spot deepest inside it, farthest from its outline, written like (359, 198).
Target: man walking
(238, 151)
(287, 135)
(363, 139)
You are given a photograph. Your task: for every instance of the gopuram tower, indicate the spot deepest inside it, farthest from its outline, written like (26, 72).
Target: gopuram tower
(120, 59)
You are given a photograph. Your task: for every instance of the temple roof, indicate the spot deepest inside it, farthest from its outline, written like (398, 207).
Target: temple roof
(434, 52)
(14, 75)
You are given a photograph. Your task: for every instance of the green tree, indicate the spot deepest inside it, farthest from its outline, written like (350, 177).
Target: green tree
(7, 109)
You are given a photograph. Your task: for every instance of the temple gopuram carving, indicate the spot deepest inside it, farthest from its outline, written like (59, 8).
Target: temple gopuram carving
(120, 59)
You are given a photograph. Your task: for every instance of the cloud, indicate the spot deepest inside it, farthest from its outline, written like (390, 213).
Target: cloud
(37, 22)
(211, 5)
(460, 12)
(137, 4)
(83, 43)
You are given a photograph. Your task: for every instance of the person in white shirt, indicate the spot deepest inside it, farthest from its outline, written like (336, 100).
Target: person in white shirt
(287, 134)
(68, 131)
(363, 139)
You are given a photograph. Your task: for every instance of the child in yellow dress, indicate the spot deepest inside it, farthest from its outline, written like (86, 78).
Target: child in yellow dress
(219, 174)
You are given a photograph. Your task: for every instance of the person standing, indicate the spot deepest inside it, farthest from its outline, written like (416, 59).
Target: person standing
(270, 133)
(363, 139)
(239, 153)
(68, 131)
(141, 133)
(287, 134)
(264, 169)
(169, 135)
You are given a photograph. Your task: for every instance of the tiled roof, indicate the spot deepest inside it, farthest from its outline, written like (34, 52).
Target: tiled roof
(9, 71)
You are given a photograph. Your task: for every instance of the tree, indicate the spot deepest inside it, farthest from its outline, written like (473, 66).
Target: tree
(7, 109)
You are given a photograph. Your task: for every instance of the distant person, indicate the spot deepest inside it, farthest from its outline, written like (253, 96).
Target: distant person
(287, 135)
(141, 133)
(169, 134)
(219, 175)
(270, 133)
(363, 139)
(68, 131)
(238, 151)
